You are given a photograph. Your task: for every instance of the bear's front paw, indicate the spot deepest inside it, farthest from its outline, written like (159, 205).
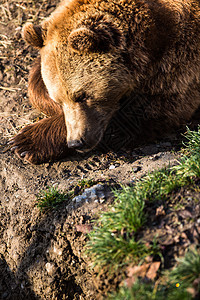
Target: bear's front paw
(43, 141)
(28, 146)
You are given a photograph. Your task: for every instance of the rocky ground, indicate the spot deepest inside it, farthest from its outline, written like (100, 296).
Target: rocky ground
(41, 253)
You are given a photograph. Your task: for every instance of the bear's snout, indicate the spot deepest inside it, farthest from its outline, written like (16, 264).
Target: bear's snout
(76, 144)
(85, 125)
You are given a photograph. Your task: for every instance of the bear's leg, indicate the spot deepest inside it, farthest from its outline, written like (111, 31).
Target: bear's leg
(45, 140)
(42, 141)
(38, 94)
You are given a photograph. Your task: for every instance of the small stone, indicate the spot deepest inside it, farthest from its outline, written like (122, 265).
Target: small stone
(189, 198)
(99, 187)
(156, 156)
(90, 194)
(57, 250)
(112, 167)
(102, 200)
(51, 268)
(137, 169)
(77, 199)
(90, 191)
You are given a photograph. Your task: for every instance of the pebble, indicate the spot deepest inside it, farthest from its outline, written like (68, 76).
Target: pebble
(189, 198)
(112, 167)
(51, 268)
(136, 169)
(156, 156)
(57, 250)
(95, 193)
(102, 200)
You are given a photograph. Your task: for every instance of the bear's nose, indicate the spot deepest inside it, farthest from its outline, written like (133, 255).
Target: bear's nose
(76, 144)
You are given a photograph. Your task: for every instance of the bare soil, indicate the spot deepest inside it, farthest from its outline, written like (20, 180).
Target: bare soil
(42, 254)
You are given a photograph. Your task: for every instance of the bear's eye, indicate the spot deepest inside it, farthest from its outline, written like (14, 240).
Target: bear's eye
(80, 98)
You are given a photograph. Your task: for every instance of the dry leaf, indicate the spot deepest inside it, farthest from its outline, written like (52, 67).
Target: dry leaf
(160, 211)
(185, 214)
(166, 240)
(130, 281)
(152, 272)
(138, 270)
(84, 228)
(146, 270)
(191, 291)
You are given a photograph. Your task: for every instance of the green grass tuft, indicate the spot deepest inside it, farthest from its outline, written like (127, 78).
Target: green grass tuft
(50, 198)
(116, 250)
(128, 211)
(190, 162)
(113, 242)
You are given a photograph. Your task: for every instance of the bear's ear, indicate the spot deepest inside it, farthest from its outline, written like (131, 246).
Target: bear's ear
(103, 37)
(33, 35)
(83, 40)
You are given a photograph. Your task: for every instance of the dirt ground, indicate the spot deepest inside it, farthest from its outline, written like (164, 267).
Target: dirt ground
(41, 254)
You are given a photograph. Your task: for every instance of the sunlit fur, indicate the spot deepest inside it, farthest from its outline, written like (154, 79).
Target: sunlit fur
(102, 51)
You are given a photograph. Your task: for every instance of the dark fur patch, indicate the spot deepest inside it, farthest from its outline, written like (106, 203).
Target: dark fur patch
(38, 93)
(33, 35)
(45, 140)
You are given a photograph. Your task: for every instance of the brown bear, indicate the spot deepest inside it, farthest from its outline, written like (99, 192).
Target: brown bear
(93, 54)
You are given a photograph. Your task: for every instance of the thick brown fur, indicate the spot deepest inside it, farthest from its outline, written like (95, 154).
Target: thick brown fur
(96, 52)
(38, 93)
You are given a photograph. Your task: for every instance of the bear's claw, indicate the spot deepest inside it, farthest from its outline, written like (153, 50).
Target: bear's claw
(23, 154)
(14, 148)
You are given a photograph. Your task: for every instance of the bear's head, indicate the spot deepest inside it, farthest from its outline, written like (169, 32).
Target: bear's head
(83, 68)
